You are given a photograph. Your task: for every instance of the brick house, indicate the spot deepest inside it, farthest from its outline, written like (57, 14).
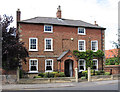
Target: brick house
(51, 41)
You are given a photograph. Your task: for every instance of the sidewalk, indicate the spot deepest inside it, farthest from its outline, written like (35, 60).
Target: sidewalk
(52, 85)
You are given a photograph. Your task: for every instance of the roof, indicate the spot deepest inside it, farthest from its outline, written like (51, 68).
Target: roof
(63, 54)
(111, 53)
(57, 21)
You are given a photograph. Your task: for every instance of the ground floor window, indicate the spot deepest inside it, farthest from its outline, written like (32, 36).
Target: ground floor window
(48, 65)
(33, 65)
(82, 65)
(95, 64)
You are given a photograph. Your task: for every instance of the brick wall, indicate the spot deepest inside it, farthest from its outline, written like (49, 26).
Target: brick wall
(61, 41)
(115, 69)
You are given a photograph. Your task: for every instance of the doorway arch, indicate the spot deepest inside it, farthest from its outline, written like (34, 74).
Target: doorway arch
(68, 67)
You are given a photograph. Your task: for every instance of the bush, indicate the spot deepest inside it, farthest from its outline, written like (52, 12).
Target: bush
(37, 77)
(21, 73)
(82, 78)
(57, 75)
(61, 74)
(41, 74)
(107, 73)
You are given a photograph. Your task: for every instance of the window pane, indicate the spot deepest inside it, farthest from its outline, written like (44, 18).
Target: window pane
(33, 65)
(81, 67)
(33, 68)
(48, 28)
(81, 45)
(81, 30)
(33, 43)
(94, 45)
(48, 67)
(48, 44)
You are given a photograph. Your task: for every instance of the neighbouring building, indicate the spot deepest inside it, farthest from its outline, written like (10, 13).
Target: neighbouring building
(111, 53)
(51, 41)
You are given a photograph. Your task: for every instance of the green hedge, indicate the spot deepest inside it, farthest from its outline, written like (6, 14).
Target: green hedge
(93, 73)
(51, 74)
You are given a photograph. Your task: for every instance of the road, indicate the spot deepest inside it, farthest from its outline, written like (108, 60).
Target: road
(100, 85)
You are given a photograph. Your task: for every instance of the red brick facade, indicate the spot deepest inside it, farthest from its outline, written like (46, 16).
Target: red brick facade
(61, 42)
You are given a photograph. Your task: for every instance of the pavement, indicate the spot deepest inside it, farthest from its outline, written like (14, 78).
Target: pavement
(53, 85)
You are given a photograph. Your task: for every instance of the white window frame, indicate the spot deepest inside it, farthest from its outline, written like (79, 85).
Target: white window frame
(51, 44)
(82, 33)
(84, 65)
(84, 46)
(36, 44)
(30, 66)
(97, 64)
(46, 63)
(96, 46)
(49, 31)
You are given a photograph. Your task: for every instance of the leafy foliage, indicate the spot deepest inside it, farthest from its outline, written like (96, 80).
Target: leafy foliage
(112, 61)
(88, 56)
(12, 50)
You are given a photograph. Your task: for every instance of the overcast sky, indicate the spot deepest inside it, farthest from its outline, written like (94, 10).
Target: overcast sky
(105, 12)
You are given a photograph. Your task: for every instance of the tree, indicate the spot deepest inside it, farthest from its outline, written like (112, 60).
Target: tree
(12, 49)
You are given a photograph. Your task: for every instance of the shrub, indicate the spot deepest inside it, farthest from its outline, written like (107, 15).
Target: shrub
(107, 73)
(21, 73)
(57, 75)
(37, 77)
(82, 78)
(41, 74)
(97, 72)
(61, 74)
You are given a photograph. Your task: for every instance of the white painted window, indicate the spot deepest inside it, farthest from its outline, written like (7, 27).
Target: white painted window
(33, 44)
(48, 44)
(95, 64)
(33, 65)
(48, 28)
(49, 65)
(81, 65)
(81, 45)
(94, 45)
(81, 31)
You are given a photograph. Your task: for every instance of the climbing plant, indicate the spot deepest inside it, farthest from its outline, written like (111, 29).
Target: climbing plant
(88, 56)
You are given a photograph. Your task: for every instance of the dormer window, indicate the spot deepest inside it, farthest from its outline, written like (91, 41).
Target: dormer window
(81, 31)
(48, 28)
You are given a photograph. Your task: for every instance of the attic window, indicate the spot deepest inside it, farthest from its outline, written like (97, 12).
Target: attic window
(81, 31)
(48, 28)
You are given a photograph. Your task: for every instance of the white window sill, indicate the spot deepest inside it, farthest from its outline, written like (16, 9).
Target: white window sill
(82, 50)
(33, 49)
(33, 72)
(48, 32)
(81, 70)
(48, 50)
(81, 34)
(49, 71)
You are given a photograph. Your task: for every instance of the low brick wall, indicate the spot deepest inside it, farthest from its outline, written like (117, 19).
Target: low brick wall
(105, 77)
(47, 80)
(115, 69)
(9, 79)
(9, 76)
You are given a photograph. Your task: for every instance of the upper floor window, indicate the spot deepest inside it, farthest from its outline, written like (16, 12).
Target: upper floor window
(81, 31)
(95, 64)
(48, 65)
(94, 45)
(33, 42)
(81, 65)
(48, 28)
(48, 44)
(81, 45)
(33, 65)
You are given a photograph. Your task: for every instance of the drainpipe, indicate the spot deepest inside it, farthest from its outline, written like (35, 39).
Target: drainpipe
(102, 47)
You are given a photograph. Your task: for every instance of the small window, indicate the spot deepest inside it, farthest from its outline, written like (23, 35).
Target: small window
(82, 65)
(94, 45)
(48, 28)
(33, 65)
(81, 45)
(48, 44)
(95, 64)
(48, 65)
(33, 42)
(81, 31)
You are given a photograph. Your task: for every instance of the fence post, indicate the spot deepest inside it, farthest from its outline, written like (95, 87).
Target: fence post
(89, 74)
(18, 74)
(76, 74)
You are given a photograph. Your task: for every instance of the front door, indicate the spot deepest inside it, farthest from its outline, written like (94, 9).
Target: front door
(69, 68)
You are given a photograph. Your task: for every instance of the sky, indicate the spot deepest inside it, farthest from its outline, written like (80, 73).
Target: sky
(105, 12)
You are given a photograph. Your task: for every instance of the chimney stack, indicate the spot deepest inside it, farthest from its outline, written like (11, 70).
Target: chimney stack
(18, 15)
(58, 14)
(96, 23)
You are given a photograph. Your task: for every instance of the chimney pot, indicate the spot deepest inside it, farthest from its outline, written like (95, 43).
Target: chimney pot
(95, 23)
(58, 14)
